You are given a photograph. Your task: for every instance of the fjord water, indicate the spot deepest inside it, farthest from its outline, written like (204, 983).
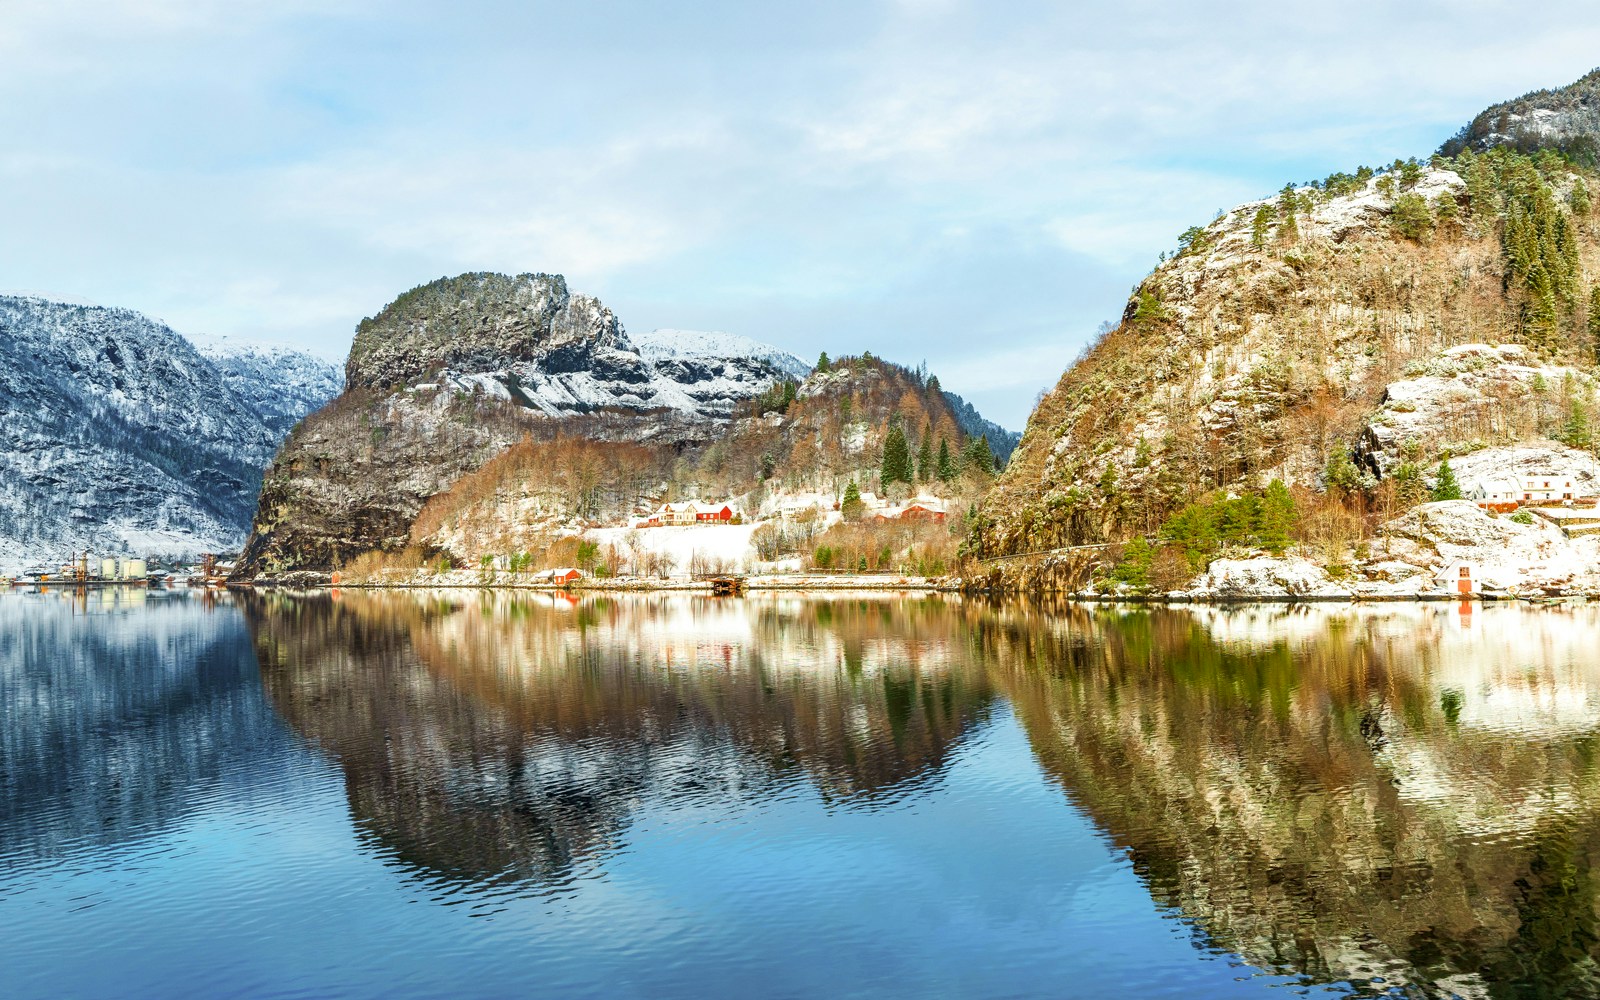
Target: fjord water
(492, 795)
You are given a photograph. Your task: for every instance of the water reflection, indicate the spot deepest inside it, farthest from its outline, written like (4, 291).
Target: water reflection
(1401, 799)
(510, 738)
(121, 710)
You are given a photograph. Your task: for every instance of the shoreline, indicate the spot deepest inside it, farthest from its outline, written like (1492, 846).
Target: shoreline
(859, 584)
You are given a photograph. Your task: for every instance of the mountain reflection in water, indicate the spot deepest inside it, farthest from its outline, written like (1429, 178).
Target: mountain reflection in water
(686, 796)
(510, 738)
(1396, 797)
(1384, 797)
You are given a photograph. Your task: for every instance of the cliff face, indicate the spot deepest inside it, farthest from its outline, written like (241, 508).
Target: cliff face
(1294, 330)
(451, 374)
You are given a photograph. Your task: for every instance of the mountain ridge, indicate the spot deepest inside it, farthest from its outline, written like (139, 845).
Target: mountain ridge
(120, 435)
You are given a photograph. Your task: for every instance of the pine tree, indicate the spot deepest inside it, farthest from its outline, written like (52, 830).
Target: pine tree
(1594, 321)
(1259, 226)
(1579, 198)
(1445, 486)
(977, 456)
(947, 466)
(822, 362)
(896, 467)
(1409, 490)
(1482, 199)
(1278, 517)
(1446, 211)
(851, 506)
(925, 470)
(1289, 229)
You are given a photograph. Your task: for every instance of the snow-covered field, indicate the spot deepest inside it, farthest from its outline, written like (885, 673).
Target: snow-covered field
(728, 544)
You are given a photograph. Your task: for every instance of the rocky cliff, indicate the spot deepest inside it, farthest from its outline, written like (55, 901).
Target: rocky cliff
(1329, 321)
(119, 435)
(452, 373)
(1565, 118)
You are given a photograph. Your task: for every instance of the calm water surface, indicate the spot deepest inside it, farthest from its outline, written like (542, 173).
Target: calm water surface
(496, 796)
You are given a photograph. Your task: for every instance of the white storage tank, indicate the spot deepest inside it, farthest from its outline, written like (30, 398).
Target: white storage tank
(133, 569)
(108, 569)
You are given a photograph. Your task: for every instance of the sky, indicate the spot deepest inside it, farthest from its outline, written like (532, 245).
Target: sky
(972, 185)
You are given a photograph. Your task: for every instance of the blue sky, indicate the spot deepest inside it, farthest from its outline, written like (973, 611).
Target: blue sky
(974, 185)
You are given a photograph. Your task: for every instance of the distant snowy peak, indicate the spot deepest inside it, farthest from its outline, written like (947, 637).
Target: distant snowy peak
(282, 383)
(665, 345)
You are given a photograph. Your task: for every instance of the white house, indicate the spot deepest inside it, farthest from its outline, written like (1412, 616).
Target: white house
(690, 512)
(1537, 489)
(1496, 490)
(1522, 489)
(1457, 578)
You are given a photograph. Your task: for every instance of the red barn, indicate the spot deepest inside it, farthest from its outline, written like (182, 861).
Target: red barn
(707, 512)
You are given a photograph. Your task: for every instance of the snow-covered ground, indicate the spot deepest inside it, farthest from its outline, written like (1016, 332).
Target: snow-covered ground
(726, 544)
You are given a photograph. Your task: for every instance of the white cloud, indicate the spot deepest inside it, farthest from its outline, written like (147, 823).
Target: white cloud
(891, 176)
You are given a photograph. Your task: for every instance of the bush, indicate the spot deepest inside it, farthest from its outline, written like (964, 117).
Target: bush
(1522, 517)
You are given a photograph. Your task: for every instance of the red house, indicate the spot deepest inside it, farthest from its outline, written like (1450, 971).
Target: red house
(710, 513)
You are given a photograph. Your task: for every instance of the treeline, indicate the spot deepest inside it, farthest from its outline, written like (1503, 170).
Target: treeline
(534, 483)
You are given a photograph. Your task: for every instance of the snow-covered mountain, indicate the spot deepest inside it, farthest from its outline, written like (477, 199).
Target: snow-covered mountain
(666, 348)
(282, 383)
(118, 435)
(1565, 118)
(527, 339)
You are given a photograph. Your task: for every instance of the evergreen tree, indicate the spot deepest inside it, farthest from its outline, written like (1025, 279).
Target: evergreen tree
(1445, 486)
(1579, 198)
(822, 362)
(1341, 473)
(1575, 432)
(1594, 321)
(977, 456)
(925, 470)
(1278, 517)
(851, 507)
(896, 467)
(1288, 228)
(1259, 226)
(789, 389)
(1446, 211)
(1410, 217)
(1409, 489)
(947, 466)
(1482, 198)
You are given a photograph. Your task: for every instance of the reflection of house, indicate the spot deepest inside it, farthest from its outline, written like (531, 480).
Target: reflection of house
(690, 512)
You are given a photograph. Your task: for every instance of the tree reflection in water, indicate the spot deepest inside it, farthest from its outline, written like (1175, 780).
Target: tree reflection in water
(510, 738)
(1382, 797)
(1401, 798)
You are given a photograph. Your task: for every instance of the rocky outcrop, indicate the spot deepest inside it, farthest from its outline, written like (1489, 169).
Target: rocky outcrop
(1467, 397)
(117, 434)
(527, 339)
(452, 373)
(1566, 118)
(1402, 315)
